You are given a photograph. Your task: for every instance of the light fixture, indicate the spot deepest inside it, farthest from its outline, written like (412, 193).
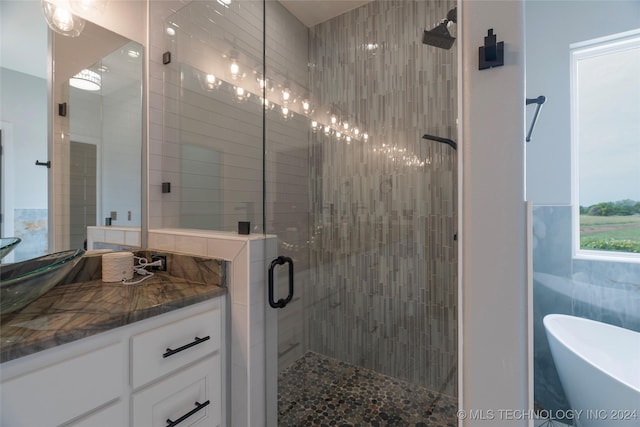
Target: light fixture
(86, 80)
(334, 120)
(286, 94)
(285, 113)
(224, 3)
(61, 20)
(306, 106)
(234, 68)
(132, 53)
(211, 82)
(170, 31)
(241, 93)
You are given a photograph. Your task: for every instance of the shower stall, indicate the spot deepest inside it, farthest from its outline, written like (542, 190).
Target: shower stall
(313, 133)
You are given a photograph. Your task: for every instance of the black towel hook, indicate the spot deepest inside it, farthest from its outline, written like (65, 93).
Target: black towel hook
(539, 100)
(47, 163)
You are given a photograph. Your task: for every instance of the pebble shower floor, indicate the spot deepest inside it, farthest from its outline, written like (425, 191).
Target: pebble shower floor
(320, 391)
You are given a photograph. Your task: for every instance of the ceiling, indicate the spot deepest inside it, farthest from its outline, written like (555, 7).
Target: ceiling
(313, 12)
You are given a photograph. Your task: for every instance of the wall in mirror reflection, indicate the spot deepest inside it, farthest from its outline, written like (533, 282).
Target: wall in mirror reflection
(105, 155)
(94, 148)
(24, 124)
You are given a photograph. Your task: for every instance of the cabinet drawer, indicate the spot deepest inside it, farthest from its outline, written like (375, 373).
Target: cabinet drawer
(162, 350)
(58, 393)
(191, 397)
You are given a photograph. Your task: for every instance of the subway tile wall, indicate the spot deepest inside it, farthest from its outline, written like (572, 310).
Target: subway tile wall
(207, 138)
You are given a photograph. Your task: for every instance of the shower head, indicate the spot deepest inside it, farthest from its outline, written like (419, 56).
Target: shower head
(447, 141)
(440, 36)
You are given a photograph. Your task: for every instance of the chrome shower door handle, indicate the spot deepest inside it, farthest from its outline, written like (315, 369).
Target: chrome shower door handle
(281, 303)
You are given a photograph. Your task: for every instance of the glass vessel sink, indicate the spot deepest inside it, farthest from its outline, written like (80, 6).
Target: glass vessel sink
(7, 244)
(25, 281)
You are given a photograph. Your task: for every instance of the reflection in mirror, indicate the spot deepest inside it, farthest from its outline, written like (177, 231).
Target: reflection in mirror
(97, 144)
(24, 126)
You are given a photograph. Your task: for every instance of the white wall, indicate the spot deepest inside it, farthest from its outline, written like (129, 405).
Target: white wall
(23, 21)
(23, 120)
(120, 155)
(125, 17)
(550, 28)
(24, 105)
(493, 258)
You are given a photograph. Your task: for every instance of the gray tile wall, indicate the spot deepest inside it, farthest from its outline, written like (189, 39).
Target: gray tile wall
(600, 290)
(383, 255)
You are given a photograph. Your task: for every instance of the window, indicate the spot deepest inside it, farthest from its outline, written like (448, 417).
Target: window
(605, 127)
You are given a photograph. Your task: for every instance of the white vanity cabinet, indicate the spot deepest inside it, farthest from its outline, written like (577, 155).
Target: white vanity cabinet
(168, 367)
(190, 395)
(55, 394)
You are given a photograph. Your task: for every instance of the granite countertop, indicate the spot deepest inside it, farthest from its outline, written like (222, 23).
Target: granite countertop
(73, 311)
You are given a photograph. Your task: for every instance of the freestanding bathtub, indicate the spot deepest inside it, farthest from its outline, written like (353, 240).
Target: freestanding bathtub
(599, 368)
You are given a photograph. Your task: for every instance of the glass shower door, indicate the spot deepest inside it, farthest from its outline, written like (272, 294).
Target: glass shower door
(212, 144)
(364, 208)
(313, 133)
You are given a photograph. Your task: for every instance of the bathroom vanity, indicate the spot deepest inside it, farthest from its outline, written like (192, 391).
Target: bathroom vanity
(94, 354)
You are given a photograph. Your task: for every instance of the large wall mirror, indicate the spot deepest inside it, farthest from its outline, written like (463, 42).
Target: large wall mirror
(75, 102)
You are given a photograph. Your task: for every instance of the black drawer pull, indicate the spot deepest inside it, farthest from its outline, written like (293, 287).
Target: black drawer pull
(188, 414)
(184, 347)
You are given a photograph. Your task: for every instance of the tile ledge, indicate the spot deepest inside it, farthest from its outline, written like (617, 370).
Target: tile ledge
(225, 235)
(113, 227)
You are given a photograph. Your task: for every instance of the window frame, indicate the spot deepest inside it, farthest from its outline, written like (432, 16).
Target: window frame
(577, 51)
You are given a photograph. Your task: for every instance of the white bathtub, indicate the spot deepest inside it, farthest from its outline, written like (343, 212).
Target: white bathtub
(599, 368)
